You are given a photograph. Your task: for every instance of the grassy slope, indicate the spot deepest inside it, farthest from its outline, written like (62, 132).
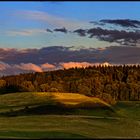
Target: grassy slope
(18, 99)
(39, 102)
(65, 126)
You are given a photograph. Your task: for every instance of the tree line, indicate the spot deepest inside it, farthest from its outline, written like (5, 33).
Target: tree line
(110, 83)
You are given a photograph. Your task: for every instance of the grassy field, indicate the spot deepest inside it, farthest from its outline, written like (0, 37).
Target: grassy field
(31, 98)
(49, 103)
(66, 115)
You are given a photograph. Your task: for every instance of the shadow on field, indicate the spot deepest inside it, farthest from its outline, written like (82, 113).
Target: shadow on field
(55, 109)
(40, 135)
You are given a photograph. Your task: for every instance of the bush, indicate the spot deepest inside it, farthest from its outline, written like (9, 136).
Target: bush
(108, 98)
(27, 86)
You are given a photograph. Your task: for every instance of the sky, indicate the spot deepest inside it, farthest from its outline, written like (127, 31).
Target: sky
(24, 24)
(42, 36)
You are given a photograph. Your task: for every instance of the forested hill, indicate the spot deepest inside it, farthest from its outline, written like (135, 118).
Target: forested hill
(110, 83)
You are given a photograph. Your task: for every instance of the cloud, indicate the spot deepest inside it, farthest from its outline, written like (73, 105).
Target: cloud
(28, 67)
(97, 23)
(16, 61)
(25, 32)
(47, 66)
(53, 54)
(50, 19)
(81, 32)
(123, 22)
(64, 30)
(111, 34)
(122, 55)
(48, 30)
(68, 65)
(3, 66)
(6, 69)
(114, 35)
(10, 69)
(122, 37)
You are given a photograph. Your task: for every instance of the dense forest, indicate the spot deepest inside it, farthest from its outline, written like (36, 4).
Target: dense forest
(110, 83)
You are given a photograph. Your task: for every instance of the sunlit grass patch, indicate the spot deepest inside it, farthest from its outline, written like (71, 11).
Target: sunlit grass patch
(17, 99)
(78, 99)
(47, 102)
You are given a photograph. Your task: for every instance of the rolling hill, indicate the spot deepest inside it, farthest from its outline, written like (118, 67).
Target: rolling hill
(43, 103)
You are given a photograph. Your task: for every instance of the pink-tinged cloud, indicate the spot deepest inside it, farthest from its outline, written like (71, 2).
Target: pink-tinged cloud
(3, 66)
(75, 64)
(51, 19)
(47, 66)
(29, 67)
(12, 69)
(25, 32)
(82, 64)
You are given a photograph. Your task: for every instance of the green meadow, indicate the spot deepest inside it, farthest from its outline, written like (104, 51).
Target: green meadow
(33, 115)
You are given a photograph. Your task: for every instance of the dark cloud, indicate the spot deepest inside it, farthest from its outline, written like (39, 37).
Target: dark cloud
(48, 30)
(122, 55)
(111, 34)
(123, 22)
(57, 54)
(50, 58)
(80, 32)
(51, 55)
(97, 23)
(114, 35)
(64, 30)
(123, 37)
